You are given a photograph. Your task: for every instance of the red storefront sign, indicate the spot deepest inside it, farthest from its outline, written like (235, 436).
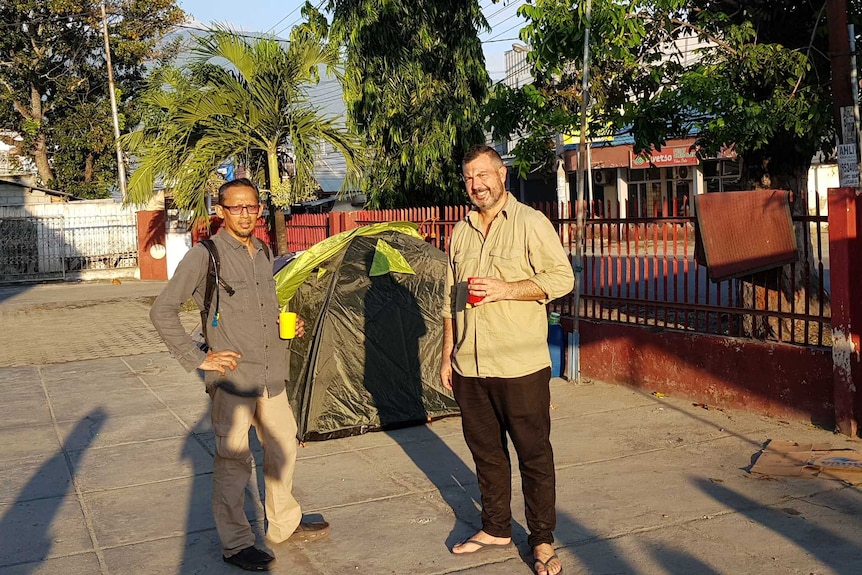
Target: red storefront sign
(668, 156)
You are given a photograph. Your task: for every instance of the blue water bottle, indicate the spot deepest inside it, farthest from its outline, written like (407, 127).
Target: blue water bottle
(555, 344)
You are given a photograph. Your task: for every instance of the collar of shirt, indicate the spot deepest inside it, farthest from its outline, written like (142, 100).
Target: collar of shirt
(234, 243)
(473, 216)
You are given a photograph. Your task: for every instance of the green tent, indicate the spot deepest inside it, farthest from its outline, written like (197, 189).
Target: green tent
(370, 358)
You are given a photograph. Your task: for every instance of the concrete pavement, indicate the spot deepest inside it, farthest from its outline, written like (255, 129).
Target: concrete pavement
(106, 462)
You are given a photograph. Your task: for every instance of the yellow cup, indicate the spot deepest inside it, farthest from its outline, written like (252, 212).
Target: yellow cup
(287, 325)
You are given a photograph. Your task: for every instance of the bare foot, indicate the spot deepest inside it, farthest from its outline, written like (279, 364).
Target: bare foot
(546, 561)
(479, 541)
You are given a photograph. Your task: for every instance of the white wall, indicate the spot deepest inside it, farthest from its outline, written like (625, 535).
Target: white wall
(821, 177)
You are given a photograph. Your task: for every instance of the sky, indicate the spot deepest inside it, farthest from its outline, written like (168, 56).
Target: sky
(278, 16)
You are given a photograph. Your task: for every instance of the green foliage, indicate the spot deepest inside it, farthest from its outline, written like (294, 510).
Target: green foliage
(243, 99)
(54, 81)
(758, 79)
(415, 82)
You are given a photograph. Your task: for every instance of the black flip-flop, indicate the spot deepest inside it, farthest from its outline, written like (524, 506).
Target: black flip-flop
(544, 563)
(481, 546)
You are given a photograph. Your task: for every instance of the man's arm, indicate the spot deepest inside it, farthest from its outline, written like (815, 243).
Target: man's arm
(448, 313)
(494, 289)
(554, 275)
(448, 347)
(553, 278)
(165, 313)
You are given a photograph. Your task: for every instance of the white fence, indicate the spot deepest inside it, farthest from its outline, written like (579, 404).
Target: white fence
(88, 239)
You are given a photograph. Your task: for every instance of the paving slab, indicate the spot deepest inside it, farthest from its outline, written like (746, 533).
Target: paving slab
(106, 468)
(27, 440)
(34, 477)
(82, 564)
(121, 430)
(116, 466)
(39, 529)
(151, 511)
(16, 411)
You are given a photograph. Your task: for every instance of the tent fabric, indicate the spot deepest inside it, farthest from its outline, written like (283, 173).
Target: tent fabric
(388, 259)
(291, 277)
(370, 358)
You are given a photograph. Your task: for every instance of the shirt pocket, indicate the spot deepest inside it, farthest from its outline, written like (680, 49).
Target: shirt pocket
(505, 263)
(466, 265)
(236, 303)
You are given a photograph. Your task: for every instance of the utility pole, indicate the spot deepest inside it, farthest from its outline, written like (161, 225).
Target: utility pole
(574, 363)
(842, 92)
(121, 167)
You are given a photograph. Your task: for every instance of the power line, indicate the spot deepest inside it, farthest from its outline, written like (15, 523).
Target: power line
(503, 9)
(297, 20)
(250, 36)
(271, 28)
(500, 40)
(519, 24)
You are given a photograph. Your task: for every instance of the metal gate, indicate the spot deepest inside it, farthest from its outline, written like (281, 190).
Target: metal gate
(49, 247)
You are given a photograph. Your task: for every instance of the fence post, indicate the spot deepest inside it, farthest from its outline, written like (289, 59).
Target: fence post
(845, 270)
(334, 223)
(151, 245)
(348, 221)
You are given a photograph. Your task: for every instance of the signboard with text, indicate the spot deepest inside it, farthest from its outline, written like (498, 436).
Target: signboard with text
(668, 156)
(848, 166)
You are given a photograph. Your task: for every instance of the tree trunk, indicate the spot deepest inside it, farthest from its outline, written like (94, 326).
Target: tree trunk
(40, 156)
(34, 112)
(277, 225)
(280, 227)
(88, 168)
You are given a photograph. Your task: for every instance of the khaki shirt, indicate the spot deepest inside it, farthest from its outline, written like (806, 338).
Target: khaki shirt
(504, 338)
(247, 323)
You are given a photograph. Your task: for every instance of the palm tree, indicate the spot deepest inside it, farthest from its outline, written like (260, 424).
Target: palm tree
(238, 98)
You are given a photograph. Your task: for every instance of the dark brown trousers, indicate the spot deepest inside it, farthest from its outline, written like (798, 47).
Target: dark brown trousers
(491, 408)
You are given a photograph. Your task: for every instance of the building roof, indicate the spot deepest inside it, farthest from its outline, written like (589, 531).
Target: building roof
(37, 188)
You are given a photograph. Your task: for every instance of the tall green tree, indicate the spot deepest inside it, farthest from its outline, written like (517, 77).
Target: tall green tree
(53, 80)
(753, 75)
(243, 98)
(416, 80)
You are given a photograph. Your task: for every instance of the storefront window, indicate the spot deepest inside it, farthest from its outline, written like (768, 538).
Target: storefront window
(721, 175)
(678, 188)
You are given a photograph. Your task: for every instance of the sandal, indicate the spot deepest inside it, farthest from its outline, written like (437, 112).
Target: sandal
(543, 565)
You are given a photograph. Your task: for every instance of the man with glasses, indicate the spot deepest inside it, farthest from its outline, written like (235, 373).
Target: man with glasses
(245, 368)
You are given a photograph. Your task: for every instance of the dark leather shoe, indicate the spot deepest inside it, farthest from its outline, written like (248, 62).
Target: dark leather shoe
(310, 530)
(251, 559)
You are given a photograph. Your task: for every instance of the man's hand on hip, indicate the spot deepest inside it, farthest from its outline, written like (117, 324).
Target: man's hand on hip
(220, 361)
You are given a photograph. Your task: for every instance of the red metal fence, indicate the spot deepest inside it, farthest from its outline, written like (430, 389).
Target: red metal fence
(643, 271)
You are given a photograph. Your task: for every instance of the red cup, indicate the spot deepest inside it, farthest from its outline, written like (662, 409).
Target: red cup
(472, 299)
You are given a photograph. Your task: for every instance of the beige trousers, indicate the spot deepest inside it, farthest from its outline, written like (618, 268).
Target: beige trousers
(272, 417)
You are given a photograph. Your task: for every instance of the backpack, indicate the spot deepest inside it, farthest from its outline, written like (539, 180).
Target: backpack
(213, 279)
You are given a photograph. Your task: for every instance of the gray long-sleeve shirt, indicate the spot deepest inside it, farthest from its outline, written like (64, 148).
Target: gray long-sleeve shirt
(247, 323)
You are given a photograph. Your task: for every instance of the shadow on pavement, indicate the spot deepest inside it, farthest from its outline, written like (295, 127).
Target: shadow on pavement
(677, 561)
(26, 527)
(193, 541)
(825, 545)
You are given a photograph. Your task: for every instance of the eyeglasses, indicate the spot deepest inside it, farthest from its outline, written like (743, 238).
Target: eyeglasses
(237, 210)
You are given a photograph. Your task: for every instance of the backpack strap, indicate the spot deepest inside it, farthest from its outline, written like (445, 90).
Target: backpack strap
(213, 280)
(265, 248)
(212, 276)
